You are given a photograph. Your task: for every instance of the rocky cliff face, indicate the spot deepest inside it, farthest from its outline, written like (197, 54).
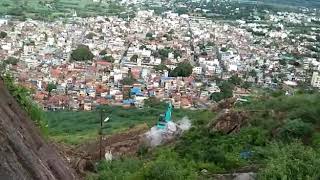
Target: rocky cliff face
(24, 155)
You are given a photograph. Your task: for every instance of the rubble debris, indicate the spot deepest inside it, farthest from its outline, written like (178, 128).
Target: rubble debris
(224, 104)
(126, 143)
(229, 121)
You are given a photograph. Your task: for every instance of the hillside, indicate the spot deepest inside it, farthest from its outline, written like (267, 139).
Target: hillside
(51, 9)
(298, 3)
(271, 137)
(24, 154)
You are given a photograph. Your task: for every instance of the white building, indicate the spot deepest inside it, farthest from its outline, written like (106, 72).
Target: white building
(315, 81)
(197, 70)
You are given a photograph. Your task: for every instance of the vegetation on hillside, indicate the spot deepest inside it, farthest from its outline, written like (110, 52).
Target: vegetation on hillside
(281, 141)
(22, 95)
(78, 127)
(51, 9)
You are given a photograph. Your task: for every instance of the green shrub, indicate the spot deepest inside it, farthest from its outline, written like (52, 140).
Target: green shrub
(22, 95)
(295, 129)
(291, 161)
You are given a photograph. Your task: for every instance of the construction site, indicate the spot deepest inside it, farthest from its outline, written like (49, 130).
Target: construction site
(229, 141)
(82, 158)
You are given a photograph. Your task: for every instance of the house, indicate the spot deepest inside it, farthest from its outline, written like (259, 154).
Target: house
(241, 92)
(87, 106)
(103, 65)
(315, 81)
(185, 103)
(197, 70)
(118, 97)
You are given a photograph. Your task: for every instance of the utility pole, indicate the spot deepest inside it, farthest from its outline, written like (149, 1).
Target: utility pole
(100, 133)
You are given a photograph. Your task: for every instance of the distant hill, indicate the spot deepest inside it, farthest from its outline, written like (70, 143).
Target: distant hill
(300, 3)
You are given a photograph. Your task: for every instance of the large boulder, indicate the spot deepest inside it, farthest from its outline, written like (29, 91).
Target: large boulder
(229, 121)
(24, 154)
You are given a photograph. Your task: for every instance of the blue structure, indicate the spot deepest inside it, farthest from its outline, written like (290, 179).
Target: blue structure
(245, 154)
(165, 118)
(128, 101)
(136, 91)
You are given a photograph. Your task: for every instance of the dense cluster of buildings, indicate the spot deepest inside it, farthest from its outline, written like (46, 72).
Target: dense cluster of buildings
(139, 47)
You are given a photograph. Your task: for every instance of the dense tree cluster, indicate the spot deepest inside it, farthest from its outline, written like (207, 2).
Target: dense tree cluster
(51, 86)
(3, 34)
(90, 35)
(108, 58)
(226, 88)
(183, 69)
(129, 80)
(82, 53)
(103, 52)
(134, 58)
(12, 60)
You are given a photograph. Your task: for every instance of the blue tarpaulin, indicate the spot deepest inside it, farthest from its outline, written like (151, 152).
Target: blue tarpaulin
(128, 101)
(136, 91)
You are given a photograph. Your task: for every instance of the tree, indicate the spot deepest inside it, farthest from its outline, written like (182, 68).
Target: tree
(161, 68)
(283, 62)
(171, 31)
(143, 47)
(3, 34)
(183, 69)
(235, 80)
(168, 36)
(226, 89)
(164, 53)
(134, 58)
(246, 85)
(295, 129)
(129, 80)
(291, 161)
(90, 35)
(177, 54)
(154, 103)
(50, 87)
(12, 60)
(253, 73)
(108, 58)
(210, 43)
(103, 52)
(82, 53)
(224, 49)
(149, 35)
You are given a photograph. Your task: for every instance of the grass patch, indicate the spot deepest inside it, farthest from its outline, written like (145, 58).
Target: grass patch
(77, 127)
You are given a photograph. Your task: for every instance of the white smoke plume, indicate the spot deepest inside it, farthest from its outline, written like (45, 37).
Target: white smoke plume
(184, 124)
(155, 136)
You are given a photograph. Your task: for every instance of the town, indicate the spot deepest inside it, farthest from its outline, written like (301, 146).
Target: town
(159, 89)
(81, 63)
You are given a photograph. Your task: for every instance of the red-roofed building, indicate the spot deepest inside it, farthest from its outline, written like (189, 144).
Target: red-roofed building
(103, 65)
(102, 101)
(136, 72)
(55, 73)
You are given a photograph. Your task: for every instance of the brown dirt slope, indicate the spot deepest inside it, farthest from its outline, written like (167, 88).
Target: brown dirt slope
(24, 155)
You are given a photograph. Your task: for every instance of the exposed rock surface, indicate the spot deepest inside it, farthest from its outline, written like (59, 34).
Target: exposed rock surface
(230, 121)
(24, 155)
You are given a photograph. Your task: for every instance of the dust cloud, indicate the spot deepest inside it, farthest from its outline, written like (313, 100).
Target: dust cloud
(155, 137)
